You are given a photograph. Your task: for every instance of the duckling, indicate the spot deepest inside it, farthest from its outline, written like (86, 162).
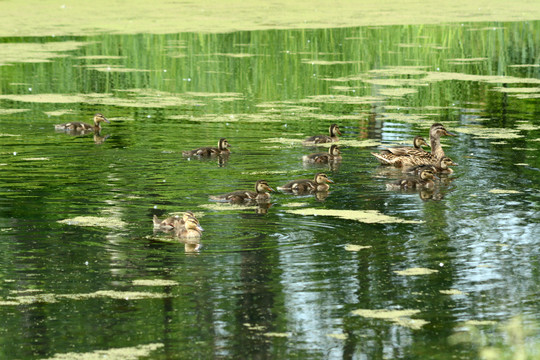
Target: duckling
(82, 127)
(237, 197)
(222, 149)
(392, 156)
(320, 139)
(171, 222)
(191, 229)
(334, 154)
(424, 181)
(319, 183)
(441, 168)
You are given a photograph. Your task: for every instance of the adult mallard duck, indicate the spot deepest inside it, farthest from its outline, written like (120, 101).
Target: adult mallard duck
(333, 154)
(77, 126)
(320, 139)
(442, 167)
(191, 229)
(423, 181)
(319, 183)
(241, 196)
(408, 159)
(222, 149)
(171, 222)
(394, 155)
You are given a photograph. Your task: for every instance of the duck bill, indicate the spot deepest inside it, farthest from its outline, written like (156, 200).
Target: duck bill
(269, 188)
(454, 163)
(448, 133)
(106, 120)
(330, 180)
(199, 227)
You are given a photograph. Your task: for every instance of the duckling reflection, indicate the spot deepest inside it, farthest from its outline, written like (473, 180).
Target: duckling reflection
(98, 139)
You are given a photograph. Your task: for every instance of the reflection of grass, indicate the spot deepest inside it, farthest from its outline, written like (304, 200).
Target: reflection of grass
(513, 340)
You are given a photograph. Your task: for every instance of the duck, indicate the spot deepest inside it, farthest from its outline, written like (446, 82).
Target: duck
(423, 181)
(78, 126)
(320, 139)
(405, 160)
(191, 229)
(171, 222)
(319, 183)
(393, 155)
(442, 167)
(221, 149)
(241, 196)
(334, 154)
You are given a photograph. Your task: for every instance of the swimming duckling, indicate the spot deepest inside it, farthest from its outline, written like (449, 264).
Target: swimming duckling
(78, 126)
(191, 229)
(237, 197)
(171, 222)
(425, 180)
(334, 154)
(319, 183)
(441, 168)
(320, 139)
(222, 149)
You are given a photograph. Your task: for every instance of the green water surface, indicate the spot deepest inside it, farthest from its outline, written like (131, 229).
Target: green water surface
(269, 283)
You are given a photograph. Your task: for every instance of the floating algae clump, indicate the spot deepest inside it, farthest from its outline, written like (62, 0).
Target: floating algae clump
(400, 317)
(365, 216)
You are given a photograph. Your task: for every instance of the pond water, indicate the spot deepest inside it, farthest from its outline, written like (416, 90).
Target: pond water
(357, 273)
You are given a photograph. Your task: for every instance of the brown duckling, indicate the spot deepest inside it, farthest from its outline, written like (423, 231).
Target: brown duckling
(171, 222)
(320, 139)
(319, 183)
(222, 149)
(424, 181)
(333, 154)
(78, 126)
(191, 229)
(441, 168)
(237, 197)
